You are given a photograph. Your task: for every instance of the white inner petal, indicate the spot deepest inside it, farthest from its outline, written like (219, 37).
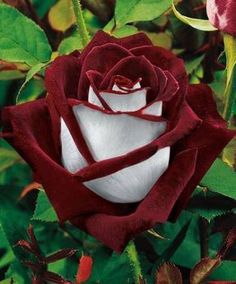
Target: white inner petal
(93, 99)
(112, 135)
(154, 109)
(125, 102)
(72, 160)
(133, 183)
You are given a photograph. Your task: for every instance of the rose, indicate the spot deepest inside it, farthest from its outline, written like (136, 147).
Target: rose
(121, 140)
(222, 15)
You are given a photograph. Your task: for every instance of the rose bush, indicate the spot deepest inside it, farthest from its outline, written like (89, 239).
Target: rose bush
(121, 139)
(222, 15)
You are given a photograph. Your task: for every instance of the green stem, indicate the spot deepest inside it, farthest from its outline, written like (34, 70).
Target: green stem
(133, 257)
(81, 27)
(230, 51)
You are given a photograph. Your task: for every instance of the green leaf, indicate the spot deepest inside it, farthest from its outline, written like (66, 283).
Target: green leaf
(7, 256)
(230, 90)
(11, 75)
(17, 272)
(229, 153)
(209, 205)
(199, 24)
(126, 30)
(188, 252)
(32, 90)
(193, 64)
(26, 42)
(7, 158)
(160, 39)
(225, 272)
(123, 31)
(14, 222)
(58, 18)
(31, 73)
(6, 281)
(172, 248)
(44, 210)
(221, 179)
(70, 44)
(134, 261)
(139, 10)
(110, 267)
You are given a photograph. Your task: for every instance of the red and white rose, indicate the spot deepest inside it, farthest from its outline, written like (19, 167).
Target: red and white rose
(121, 140)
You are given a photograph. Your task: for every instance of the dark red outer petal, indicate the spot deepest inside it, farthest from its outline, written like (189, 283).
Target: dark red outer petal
(162, 79)
(28, 129)
(202, 102)
(128, 42)
(61, 83)
(210, 138)
(116, 231)
(166, 60)
(171, 88)
(28, 124)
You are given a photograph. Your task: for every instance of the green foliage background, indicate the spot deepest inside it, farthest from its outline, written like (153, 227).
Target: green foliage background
(31, 35)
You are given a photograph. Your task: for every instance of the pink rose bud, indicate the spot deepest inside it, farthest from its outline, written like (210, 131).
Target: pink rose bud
(222, 15)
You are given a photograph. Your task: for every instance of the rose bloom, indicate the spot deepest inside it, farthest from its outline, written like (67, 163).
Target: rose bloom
(221, 14)
(121, 140)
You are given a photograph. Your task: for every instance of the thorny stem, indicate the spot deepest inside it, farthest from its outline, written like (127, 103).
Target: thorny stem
(81, 27)
(133, 258)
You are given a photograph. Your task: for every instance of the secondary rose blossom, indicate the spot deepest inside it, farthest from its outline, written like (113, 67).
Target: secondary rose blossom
(121, 140)
(221, 14)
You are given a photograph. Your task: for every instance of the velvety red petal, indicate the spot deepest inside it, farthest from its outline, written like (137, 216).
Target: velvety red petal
(210, 138)
(136, 40)
(134, 68)
(101, 59)
(63, 74)
(101, 38)
(61, 83)
(222, 15)
(28, 124)
(202, 102)
(166, 60)
(116, 231)
(27, 128)
(171, 88)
